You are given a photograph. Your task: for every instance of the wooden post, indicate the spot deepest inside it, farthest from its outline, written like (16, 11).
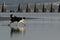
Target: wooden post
(36, 9)
(52, 8)
(3, 7)
(59, 8)
(44, 8)
(20, 7)
(28, 8)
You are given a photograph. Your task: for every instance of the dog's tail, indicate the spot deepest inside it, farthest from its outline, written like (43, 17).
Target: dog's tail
(11, 15)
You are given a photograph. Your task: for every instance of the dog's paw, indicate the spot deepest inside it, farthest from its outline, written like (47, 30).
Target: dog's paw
(8, 24)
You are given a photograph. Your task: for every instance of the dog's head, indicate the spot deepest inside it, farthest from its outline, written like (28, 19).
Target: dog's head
(24, 18)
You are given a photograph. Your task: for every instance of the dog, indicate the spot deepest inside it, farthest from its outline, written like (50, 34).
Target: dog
(14, 19)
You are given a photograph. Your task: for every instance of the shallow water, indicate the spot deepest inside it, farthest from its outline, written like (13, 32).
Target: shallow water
(35, 29)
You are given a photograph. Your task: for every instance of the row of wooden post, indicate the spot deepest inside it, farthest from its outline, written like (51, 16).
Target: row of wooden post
(28, 9)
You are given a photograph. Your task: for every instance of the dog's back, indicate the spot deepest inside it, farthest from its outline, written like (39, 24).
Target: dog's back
(13, 19)
(19, 18)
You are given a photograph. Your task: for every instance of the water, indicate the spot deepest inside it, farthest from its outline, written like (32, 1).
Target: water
(46, 28)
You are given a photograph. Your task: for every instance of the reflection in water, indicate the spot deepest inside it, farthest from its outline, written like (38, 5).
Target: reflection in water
(16, 32)
(13, 31)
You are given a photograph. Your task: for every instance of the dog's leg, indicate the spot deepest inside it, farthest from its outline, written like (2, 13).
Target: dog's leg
(23, 24)
(9, 24)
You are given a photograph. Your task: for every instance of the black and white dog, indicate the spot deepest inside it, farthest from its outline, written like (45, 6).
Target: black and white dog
(14, 19)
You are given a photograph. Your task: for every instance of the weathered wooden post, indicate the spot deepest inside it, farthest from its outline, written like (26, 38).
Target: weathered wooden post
(20, 7)
(28, 8)
(59, 8)
(44, 8)
(3, 7)
(52, 8)
(36, 8)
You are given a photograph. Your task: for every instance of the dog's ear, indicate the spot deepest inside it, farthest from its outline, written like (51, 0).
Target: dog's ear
(24, 18)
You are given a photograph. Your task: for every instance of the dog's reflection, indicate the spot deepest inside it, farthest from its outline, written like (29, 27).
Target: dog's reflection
(17, 31)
